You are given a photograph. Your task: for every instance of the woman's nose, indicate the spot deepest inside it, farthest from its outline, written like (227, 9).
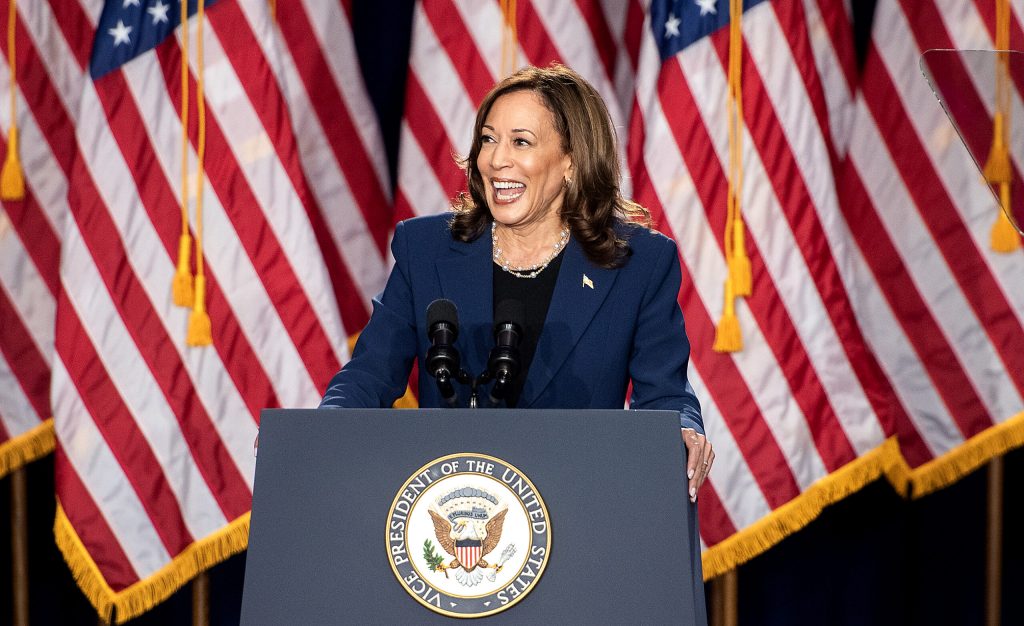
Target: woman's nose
(501, 156)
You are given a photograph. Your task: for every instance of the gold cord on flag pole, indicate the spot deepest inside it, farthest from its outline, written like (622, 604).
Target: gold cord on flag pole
(509, 38)
(273, 9)
(739, 263)
(199, 330)
(181, 286)
(998, 169)
(728, 337)
(12, 181)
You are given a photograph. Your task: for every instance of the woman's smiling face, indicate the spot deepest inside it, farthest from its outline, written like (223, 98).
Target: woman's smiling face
(521, 161)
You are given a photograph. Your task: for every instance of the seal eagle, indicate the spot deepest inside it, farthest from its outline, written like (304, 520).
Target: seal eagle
(468, 541)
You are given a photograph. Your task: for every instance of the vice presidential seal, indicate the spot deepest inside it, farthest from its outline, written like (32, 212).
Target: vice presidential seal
(468, 535)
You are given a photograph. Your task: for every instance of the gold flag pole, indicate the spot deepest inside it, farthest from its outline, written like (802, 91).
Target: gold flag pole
(994, 544)
(201, 600)
(725, 599)
(19, 546)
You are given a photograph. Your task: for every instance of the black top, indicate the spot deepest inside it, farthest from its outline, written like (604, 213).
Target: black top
(535, 296)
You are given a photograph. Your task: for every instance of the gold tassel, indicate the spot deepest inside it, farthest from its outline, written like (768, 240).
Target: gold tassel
(181, 287)
(1004, 237)
(728, 337)
(997, 167)
(12, 181)
(181, 284)
(509, 37)
(199, 328)
(739, 263)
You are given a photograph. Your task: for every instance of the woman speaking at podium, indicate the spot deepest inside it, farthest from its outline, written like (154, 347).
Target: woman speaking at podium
(545, 257)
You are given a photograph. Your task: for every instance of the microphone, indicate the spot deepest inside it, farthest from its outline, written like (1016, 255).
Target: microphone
(442, 357)
(503, 363)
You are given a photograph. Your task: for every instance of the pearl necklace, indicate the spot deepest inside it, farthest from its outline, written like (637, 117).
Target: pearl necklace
(534, 270)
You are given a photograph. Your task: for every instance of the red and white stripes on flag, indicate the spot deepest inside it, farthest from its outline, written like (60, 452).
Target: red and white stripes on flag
(798, 417)
(340, 146)
(792, 413)
(804, 414)
(455, 59)
(30, 232)
(877, 308)
(155, 459)
(941, 310)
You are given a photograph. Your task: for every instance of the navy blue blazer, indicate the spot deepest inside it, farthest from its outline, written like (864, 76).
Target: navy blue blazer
(604, 327)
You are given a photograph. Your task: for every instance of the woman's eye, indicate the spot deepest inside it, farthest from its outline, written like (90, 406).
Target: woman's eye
(486, 139)
(521, 142)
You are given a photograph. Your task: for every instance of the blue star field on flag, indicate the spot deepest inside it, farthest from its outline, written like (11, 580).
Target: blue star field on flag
(128, 28)
(678, 23)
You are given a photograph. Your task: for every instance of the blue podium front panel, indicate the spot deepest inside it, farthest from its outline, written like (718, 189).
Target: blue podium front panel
(516, 516)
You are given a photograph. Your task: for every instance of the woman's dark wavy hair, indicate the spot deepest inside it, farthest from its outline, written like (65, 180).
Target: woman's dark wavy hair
(593, 203)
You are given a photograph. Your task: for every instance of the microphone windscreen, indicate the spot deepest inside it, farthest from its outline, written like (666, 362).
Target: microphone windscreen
(442, 310)
(510, 311)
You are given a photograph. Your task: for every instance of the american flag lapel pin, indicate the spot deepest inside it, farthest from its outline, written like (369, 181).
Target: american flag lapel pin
(587, 282)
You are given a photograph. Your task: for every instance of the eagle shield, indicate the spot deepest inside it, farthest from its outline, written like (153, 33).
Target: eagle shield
(468, 552)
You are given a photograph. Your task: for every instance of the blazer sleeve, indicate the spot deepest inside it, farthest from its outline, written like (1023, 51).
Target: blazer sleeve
(661, 351)
(378, 371)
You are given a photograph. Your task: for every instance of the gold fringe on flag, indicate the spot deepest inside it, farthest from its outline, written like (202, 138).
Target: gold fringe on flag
(945, 470)
(998, 169)
(147, 593)
(26, 447)
(885, 460)
(509, 38)
(12, 180)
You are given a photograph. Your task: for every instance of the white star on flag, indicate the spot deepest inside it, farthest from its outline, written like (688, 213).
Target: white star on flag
(120, 33)
(672, 26)
(128, 3)
(707, 6)
(158, 11)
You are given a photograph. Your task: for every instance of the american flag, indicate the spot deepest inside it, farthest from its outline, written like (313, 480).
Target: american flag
(798, 417)
(878, 314)
(807, 412)
(30, 231)
(943, 313)
(456, 57)
(154, 459)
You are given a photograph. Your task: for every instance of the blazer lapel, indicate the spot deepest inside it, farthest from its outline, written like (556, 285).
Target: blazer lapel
(579, 291)
(466, 279)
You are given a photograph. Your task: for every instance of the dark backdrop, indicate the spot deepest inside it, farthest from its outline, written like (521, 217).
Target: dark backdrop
(873, 558)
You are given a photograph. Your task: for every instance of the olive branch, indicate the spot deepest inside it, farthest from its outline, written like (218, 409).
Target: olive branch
(432, 558)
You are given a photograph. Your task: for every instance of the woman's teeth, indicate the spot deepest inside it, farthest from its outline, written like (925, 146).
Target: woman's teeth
(508, 191)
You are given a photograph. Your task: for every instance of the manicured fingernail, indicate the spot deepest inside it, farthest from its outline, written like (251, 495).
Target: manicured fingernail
(689, 473)
(693, 494)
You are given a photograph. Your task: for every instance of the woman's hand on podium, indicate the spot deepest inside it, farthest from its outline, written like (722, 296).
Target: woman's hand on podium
(699, 458)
